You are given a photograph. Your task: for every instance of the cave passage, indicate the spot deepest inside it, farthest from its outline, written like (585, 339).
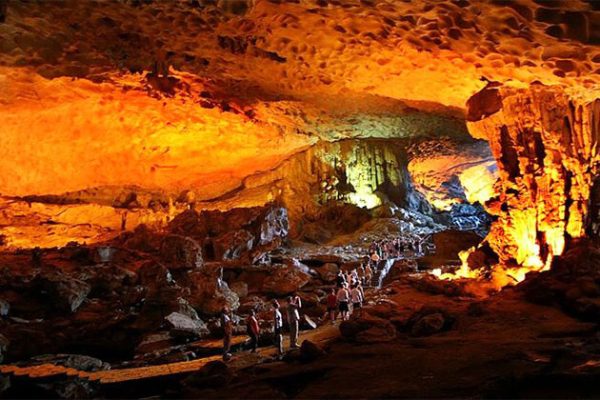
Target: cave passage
(299, 199)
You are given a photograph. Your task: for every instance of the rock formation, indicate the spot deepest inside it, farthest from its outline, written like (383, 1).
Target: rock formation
(545, 143)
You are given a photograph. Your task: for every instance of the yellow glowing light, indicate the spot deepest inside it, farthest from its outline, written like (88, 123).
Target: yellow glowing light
(364, 199)
(478, 182)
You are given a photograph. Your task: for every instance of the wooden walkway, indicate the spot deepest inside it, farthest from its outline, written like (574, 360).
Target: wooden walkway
(50, 371)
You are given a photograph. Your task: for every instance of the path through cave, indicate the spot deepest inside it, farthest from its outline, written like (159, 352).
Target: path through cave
(169, 168)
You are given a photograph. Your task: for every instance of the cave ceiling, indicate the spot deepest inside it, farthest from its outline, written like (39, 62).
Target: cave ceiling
(174, 95)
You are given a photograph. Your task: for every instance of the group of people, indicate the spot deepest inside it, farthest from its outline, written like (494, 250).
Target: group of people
(362, 275)
(343, 300)
(393, 248)
(294, 304)
(346, 300)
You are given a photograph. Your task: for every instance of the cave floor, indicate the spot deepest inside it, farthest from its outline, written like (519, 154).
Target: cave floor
(499, 347)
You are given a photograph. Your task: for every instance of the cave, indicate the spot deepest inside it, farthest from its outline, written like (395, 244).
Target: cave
(299, 199)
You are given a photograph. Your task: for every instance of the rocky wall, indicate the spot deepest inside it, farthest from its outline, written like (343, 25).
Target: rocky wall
(545, 144)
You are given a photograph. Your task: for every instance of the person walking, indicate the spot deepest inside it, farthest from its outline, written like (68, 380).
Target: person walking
(361, 290)
(361, 272)
(357, 300)
(297, 301)
(293, 316)
(332, 305)
(227, 325)
(253, 330)
(375, 259)
(277, 329)
(343, 298)
(340, 278)
(368, 275)
(348, 278)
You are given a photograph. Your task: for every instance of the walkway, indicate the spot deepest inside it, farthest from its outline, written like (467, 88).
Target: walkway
(45, 371)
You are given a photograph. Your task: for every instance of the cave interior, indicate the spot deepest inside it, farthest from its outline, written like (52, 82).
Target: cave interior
(163, 163)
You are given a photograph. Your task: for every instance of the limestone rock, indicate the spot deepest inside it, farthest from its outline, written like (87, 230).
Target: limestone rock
(143, 238)
(210, 293)
(64, 291)
(368, 329)
(153, 276)
(429, 320)
(215, 374)
(328, 272)
(232, 245)
(310, 351)
(544, 142)
(180, 252)
(285, 280)
(76, 361)
(183, 325)
(428, 325)
(240, 288)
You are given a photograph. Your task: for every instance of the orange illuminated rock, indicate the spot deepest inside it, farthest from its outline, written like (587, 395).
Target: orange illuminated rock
(545, 143)
(164, 105)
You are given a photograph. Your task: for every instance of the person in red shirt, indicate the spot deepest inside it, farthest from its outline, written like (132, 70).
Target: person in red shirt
(332, 305)
(253, 330)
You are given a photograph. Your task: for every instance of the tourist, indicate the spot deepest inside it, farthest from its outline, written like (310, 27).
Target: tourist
(354, 275)
(397, 246)
(373, 248)
(361, 272)
(362, 290)
(375, 258)
(343, 298)
(227, 325)
(349, 278)
(384, 250)
(297, 301)
(294, 321)
(389, 250)
(253, 330)
(277, 329)
(332, 305)
(340, 278)
(357, 300)
(368, 275)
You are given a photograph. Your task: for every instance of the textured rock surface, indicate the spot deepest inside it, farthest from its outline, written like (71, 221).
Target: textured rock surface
(545, 143)
(150, 107)
(181, 252)
(285, 280)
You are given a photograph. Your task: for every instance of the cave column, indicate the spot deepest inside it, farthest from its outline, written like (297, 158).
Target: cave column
(545, 144)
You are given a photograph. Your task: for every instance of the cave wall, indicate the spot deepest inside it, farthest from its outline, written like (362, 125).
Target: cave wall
(545, 144)
(364, 173)
(347, 178)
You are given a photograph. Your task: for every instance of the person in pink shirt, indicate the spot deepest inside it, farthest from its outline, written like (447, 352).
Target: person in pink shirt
(253, 330)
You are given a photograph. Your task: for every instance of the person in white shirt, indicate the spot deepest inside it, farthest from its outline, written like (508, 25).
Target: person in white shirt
(278, 328)
(359, 286)
(357, 300)
(343, 297)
